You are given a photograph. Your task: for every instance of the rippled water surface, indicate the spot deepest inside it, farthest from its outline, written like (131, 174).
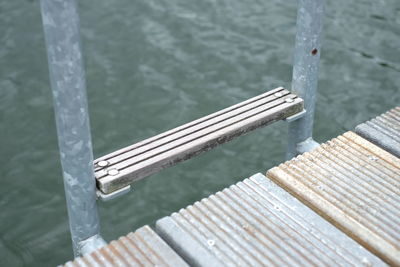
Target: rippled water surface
(155, 64)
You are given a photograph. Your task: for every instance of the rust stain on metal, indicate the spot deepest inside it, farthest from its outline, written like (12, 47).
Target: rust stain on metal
(355, 185)
(314, 51)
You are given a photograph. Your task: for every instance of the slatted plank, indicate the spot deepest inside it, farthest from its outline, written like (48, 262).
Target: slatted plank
(257, 223)
(355, 185)
(127, 165)
(383, 131)
(141, 248)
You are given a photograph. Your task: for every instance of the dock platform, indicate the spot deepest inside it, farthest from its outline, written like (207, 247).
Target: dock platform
(337, 205)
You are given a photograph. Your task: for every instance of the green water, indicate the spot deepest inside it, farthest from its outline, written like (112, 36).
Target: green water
(155, 64)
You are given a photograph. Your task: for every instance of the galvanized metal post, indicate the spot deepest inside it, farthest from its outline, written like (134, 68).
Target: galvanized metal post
(61, 28)
(305, 73)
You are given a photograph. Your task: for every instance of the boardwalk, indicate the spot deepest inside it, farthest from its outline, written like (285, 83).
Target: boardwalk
(336, 205)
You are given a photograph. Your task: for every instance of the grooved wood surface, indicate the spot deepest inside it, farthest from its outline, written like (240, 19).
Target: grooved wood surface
(257, 223)
(355, 185)
(383, 131)
(141, 248)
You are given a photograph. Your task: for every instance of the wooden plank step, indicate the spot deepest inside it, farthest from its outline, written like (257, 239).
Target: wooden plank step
(257, 223)
(355, 185)
(119, 169)
(141, 248)
(383, 131)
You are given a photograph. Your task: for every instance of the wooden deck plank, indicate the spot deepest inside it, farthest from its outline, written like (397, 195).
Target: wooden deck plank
(383, 131)
(355, 185)
(257, 223)
(141, 248)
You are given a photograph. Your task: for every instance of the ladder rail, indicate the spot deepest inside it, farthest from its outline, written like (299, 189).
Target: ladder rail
(61, 29)
(304, 83)
(307, 53)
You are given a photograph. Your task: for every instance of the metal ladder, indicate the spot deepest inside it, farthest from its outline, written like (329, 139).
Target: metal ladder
(86, 180)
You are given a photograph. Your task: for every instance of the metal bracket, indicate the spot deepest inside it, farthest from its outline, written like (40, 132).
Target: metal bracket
(115, 194)
(306, 146)
(91, 244)
(296, 116)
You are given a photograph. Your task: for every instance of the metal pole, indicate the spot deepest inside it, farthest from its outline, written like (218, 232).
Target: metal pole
(305, 73)
(67, 76)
